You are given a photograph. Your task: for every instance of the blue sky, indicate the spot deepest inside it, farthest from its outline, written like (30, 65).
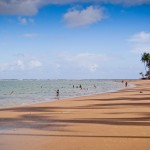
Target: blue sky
(47, 39)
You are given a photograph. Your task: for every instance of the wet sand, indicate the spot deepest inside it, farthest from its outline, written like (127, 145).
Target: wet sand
(110, 121)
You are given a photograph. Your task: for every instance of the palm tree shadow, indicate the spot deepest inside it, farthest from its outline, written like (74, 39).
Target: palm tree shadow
(80, 136)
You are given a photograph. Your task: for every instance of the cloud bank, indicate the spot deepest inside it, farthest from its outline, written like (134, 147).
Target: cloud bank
(31, 7)
(21, 65)
(88, 61)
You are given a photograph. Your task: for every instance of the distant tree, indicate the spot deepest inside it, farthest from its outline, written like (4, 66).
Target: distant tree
(147, 74)
(146, 60)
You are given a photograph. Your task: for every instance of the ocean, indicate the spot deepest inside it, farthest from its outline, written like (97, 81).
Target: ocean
(25, 92)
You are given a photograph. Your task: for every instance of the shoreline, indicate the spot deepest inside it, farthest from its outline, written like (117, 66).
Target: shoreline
(71, 97)
(119, 118)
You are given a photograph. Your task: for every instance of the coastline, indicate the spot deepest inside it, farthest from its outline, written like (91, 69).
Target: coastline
(116, 120)
(35, 100)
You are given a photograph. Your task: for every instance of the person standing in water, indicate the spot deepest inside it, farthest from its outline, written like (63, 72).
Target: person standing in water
(80, 86)
(57, 93)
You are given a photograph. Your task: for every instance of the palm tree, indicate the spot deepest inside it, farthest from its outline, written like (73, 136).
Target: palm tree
(142, 74)
(145, 59)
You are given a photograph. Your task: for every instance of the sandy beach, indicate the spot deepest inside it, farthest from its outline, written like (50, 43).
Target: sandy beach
(111, 121)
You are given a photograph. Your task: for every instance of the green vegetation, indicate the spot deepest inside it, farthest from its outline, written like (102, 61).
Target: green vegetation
(146, 60)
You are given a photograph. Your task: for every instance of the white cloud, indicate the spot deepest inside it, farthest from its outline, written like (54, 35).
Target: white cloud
(19, 64)
(93, 67)
(24, 21)
(90, 15)
(35, 63)
(31, 7)
(141, 37)
(140, 42)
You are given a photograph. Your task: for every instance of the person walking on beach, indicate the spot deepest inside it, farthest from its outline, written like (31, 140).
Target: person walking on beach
(126, 84)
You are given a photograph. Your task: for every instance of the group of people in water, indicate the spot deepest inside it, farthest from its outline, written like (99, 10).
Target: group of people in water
(57, 91)
(80, 86)
(126, 83)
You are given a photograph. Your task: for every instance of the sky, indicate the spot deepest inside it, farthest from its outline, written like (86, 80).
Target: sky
(73, 39)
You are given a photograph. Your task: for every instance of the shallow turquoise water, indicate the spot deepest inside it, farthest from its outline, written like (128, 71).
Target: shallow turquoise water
(24, 92)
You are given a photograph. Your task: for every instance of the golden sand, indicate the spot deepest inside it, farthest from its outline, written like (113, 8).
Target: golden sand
(111, 121)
